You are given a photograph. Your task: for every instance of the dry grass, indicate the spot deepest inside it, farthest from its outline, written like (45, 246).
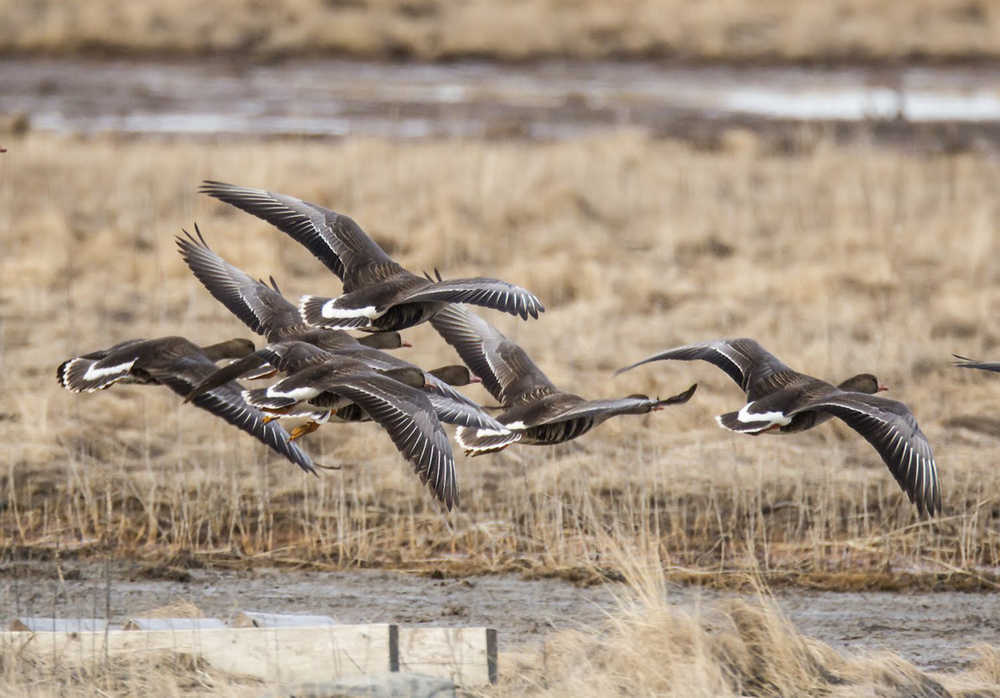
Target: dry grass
(736, 648)
(647, 647)
(437, 29)
(839, 260)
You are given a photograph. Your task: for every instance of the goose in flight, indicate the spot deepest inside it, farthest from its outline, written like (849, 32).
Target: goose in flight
(180, 364)
(379, 294)
(784, 400)
(535, 411)
(395, 399)
(264, 310)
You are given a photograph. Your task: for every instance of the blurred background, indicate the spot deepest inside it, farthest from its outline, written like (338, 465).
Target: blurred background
(529, 69)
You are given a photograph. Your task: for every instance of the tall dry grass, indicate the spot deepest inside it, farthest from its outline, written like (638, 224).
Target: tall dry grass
(838, 259)
(731, 648)
(838, 30)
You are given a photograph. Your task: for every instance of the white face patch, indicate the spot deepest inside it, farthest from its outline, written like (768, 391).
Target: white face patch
(745, 415)
(93, 373)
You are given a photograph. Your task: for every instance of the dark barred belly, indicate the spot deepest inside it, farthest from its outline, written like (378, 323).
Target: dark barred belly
(557, 432)
(400, 317)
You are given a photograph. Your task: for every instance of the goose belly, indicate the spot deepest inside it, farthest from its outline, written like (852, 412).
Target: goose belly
(806, 420)
(557, 432)
(399, 317)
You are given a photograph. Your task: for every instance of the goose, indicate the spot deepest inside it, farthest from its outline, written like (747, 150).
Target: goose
(266, 311)
(179, 364)
(379, 294)
(263, 308)
(535, 412)
(784, 400)
(394, 399)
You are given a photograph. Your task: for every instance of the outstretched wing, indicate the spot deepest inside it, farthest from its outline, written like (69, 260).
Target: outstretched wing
(755, 370)
(603, 409)
(490, 293)
(891, 428)
(409, 418)
(262, 308)
(505, 368)
(965, 362)
(334, 239)
(226, 401)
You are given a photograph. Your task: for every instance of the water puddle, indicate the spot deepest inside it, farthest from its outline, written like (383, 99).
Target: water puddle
(548, 100)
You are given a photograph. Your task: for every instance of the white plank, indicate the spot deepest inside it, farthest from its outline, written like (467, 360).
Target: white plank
(467, 656)
(270, 654)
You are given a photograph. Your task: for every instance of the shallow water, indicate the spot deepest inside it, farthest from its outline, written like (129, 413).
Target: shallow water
(932, 630)
(544, 100)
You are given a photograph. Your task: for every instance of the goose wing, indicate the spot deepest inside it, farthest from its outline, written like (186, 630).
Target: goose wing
(506, 370)
(756, 370)
(451, 406)
(413, 426)
(185, 372)
(333, 238)
(965, 362)
(491, 293)
(289, 357)
(892, 429)
(262, 308)
(603, 409)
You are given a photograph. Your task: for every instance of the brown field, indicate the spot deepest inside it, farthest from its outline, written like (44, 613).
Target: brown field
(839, 259)
(729, 30)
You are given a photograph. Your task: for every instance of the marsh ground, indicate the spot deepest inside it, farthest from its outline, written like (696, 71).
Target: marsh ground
(933, 630)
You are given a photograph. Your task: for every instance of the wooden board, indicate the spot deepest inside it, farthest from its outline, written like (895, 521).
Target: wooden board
(271, 654)
(296, 654)
(467, 656)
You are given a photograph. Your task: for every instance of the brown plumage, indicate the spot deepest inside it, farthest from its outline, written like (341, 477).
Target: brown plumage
(179, 364)
(263, 308)
(782, 399)
(535, 411)
(394, 399)
(379, 294)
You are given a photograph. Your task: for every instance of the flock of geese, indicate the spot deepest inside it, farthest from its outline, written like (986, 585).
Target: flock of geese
(328, 374)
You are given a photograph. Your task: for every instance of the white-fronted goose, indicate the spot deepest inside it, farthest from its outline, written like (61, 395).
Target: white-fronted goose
(293, 356)
(779, 398)
(535, 411)
(263, 308)
(379, 294)
(180, 365)
(965, 362)
(394, 399)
